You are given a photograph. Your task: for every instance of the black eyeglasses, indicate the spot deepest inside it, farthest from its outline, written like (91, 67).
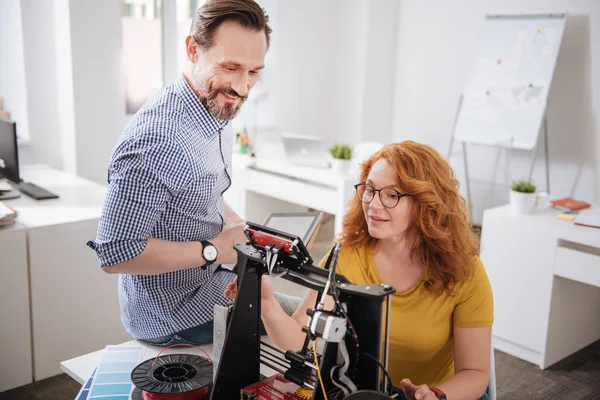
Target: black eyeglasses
(389, 197)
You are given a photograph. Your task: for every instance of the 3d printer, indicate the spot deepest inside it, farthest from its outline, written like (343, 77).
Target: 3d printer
(353, 364)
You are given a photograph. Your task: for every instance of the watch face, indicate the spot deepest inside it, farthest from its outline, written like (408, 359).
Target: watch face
(210, 253)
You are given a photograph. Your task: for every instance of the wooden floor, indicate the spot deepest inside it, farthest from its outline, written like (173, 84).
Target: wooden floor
(577, 377)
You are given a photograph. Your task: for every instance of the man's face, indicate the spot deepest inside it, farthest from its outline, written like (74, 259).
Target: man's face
(223, 74)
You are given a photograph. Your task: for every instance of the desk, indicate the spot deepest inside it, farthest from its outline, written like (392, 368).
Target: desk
(73, 304)
(264, 185)
(545, 274)
(80, 368)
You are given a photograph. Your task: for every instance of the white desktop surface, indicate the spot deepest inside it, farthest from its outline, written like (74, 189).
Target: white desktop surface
(271, 157)
(79, 199)
(80, 368)
(268, 183)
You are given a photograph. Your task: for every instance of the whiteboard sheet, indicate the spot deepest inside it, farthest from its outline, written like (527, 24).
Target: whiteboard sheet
(505, 96)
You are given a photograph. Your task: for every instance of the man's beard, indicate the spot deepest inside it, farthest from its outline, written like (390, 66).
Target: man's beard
(208, 98)
(225, 113)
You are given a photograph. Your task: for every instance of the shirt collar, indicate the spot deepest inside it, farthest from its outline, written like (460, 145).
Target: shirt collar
(207, 122)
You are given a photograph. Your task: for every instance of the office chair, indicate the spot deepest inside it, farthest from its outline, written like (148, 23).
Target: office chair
(492, 384)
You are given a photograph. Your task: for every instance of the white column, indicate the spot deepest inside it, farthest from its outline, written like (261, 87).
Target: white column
(97, 79)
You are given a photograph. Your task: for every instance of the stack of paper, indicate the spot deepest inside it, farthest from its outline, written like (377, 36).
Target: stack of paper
(7, 215)
(111, 380)
(589, 218)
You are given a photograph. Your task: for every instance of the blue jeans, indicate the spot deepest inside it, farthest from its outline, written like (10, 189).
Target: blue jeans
(203, 334)
(198, 335)
(486, 395)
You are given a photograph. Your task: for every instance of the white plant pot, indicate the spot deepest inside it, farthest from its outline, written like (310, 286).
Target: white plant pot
(341, 166)
(522, 203)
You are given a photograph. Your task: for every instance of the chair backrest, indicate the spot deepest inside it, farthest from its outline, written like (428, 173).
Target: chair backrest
(492, 384)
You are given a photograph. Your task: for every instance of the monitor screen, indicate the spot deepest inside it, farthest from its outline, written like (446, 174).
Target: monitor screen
(9, 156)
(302, 225)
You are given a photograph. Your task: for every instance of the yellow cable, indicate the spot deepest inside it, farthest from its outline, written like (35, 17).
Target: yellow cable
(319, 369)
(305, 393)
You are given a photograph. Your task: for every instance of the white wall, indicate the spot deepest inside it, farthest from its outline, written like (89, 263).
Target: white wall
(12, 65)
(335, 68)
(42, 88)
(62, 79)
(435, 42)
(379, 56)
(98, 89)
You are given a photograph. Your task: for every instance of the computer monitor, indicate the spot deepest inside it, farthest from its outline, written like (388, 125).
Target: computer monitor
(9, 162)
(9, 154)
(303, 224)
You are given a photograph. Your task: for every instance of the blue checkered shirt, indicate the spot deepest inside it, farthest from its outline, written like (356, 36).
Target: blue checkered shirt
(166, 178)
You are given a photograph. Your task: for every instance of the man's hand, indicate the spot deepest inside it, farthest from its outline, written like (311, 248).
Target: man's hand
(225, 241)
(420, 392)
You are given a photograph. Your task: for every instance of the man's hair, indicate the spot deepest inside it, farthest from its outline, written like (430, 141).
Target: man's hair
(214, 12)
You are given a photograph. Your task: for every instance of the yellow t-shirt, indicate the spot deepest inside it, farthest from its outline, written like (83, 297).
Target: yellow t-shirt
(421, 343)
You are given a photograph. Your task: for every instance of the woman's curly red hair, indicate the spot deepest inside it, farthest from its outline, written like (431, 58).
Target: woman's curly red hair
(445, 243)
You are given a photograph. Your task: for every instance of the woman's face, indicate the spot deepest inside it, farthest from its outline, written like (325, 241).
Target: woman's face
(385, 222)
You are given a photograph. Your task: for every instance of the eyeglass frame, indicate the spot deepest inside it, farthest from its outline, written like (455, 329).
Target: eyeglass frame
(400, 195)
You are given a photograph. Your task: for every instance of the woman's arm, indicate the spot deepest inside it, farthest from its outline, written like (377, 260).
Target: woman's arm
(472, 349)
(471, 367)
(284, 331)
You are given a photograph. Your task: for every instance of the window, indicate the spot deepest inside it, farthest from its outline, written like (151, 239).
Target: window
(259, 110)
(142, 51)
(154, 33)
(186, 9)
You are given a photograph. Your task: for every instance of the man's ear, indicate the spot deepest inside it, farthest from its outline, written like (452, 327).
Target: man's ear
(191, 48)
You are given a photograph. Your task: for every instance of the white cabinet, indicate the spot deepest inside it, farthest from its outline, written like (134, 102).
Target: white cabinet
(15, 331)
(74, 305)
(546, 299)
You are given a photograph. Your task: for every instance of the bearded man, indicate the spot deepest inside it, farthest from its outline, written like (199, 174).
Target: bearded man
(165, 227)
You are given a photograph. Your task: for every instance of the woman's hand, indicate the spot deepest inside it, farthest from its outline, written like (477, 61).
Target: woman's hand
(420, 392)
(267, 296)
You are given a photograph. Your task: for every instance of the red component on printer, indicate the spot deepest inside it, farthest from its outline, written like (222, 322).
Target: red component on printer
(273, 388)
(263, 239)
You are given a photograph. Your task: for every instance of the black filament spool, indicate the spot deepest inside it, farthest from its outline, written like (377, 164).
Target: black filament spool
(171, 374)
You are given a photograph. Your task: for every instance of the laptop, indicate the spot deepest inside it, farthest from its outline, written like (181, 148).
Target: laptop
(305, 150)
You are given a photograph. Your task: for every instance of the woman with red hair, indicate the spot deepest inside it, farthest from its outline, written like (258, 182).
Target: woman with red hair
(408, 227)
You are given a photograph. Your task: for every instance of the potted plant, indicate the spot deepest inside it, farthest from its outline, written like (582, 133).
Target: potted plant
(522, 197)
(341, 153)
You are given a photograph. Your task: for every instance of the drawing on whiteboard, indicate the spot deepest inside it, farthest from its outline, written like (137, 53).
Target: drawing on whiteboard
(535, 43)
(505, 94)
(485, 103)
(495, 71)
(529, 95)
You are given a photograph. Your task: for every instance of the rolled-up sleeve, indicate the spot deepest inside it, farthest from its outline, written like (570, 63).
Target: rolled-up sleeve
(143, 176)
